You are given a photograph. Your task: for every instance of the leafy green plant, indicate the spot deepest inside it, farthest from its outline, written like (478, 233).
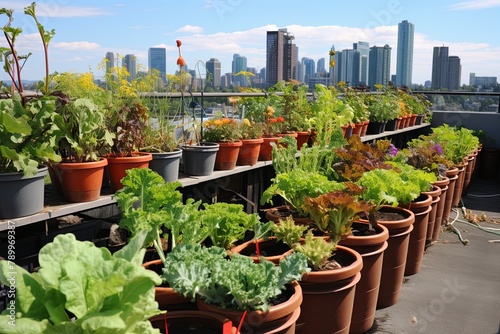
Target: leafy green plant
(355, 158)
(288, 231)
(457, 143)
(235, 282)
(334, 212)
(80, 288)
(227, 223)
(296, 185)
(149, 203)
(383, 106)
(27, 136)
(317, 250)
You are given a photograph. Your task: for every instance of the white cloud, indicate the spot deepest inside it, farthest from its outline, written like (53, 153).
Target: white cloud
(77, 45)
(477, 4)
(190, 29)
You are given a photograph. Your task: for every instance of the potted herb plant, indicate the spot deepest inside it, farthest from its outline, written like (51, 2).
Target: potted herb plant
(27, 138)
(83, 289)
(84, 137)
(162, 138)
(225, 132)
(127, 118)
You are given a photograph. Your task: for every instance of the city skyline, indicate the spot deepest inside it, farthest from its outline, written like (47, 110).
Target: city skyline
(85, 31)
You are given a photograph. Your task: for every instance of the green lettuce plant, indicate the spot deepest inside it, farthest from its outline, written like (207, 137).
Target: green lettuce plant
(296, 185)
(80, 288)
(234, 282)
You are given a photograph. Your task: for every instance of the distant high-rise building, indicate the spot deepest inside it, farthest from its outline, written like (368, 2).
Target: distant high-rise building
(404, 57)
(279, 56)
(110, 61)
(157, 59)
(129, 62)
(454, 72)
(380, 66)
(320, 66)
(349, 67)
(213, 69)
(239, 64)
(364, 51)
(309, 70)
(439, 77)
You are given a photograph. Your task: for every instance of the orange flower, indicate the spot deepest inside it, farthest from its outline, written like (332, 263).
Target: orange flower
(280, 119)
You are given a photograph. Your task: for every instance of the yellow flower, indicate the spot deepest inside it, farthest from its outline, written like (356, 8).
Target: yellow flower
(246, 122)
(332, 63)
(270, 111)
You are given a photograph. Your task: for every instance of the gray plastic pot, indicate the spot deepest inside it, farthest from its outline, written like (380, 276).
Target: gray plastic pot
(199, 160)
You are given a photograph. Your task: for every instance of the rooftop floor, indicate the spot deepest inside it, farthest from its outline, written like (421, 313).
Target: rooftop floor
(458, 287)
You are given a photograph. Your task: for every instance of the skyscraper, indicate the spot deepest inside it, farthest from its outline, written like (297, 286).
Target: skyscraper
(380, 66)
(364, 50)
(110, 61)
(213, 69)
(279, 56)
(157, 59)
(239, 64)
(440, 67)
(404, 57)
(309, 72)
(129, 62)
(454, 72)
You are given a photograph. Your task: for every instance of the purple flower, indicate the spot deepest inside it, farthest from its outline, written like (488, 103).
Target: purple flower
(393, 151)
(438, 149)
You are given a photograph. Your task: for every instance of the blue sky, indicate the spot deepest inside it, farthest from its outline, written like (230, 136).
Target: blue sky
(86, 30)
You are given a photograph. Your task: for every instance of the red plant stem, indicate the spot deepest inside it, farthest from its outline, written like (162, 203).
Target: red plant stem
(257, 249)
(165, 322)
(241, 322)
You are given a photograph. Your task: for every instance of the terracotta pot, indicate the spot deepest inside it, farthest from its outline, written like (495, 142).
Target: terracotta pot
(280, 318)
(302, 138)
(371, 248)
(347, 131)
(400, 123)
(266, 150)
(435, 193)
(394, 263)
(452, 175)
(166, 297)
(288, 134)
(421, 208)
(249, 152)
(443, 184)
(459, 184)
(329, 296)
(198, 322)
(117, 167)
(468, 171)
(358, 128)
(365, 128)
(270, 249)
(80, 181)
(227, 155)
(413, 119)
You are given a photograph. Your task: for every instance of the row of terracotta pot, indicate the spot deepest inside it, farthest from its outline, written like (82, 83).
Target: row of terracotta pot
(372, 280)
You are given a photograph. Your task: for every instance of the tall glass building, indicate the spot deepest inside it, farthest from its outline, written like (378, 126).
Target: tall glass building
(213, 67)
(157, 59)
(404, 57)
(281, 56)
(380, 66)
